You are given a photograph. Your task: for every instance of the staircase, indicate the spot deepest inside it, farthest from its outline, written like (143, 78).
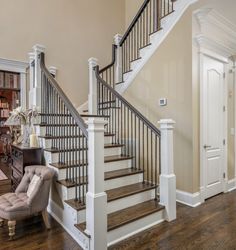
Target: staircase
(114, 168)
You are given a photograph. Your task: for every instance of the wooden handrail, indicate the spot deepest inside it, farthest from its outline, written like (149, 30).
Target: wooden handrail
(126, 103)
(113, 59)
(134, 21)
(78, 119)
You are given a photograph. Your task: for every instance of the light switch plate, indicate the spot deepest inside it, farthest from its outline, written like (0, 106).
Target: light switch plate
(162, 101)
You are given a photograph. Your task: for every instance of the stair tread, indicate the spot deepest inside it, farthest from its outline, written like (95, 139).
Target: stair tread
(145, 46)
(128, 71)
(113, 145)
(67, 183)
(117, 158)
(121, 192)
(61, 165)
(60, 137)
(107, 102)
(109, 107)
(121, 173)
(128, 215)
(55, 125)
(109, 134)
(102, 116)
(136, 59)
(77, 205)
(56, 150)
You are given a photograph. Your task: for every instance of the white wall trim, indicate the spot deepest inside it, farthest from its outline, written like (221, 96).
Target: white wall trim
(189, 199)
(231, 185)
(18, 67)
(13, 65)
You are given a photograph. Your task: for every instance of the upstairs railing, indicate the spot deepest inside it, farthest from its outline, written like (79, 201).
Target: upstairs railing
(67, 131)
(146, 22)
(141, 139)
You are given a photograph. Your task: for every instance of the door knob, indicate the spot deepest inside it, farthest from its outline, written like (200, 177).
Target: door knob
(206, 146)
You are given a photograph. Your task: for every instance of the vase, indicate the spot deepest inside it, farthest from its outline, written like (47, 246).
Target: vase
(26, 135)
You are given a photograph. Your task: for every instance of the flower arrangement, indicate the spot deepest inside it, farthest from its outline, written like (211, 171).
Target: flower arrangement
(19, 117)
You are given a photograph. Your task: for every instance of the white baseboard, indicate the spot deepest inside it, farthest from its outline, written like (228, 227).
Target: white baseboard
(189, 199)
(231, 185)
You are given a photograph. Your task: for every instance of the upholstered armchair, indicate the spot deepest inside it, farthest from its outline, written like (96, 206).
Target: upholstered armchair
(22, 203)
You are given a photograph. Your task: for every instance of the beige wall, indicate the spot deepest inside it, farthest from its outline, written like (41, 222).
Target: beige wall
(131, 9)
(173, 72)
(168, 74)
(72, 31)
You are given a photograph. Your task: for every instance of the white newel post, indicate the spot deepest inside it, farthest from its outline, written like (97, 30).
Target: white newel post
(118, 64)
(96, 198)
(92, 97)
(35, 78)
(167, 177)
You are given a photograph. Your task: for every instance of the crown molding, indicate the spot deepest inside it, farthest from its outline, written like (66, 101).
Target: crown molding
(217, 33)
(213, 45)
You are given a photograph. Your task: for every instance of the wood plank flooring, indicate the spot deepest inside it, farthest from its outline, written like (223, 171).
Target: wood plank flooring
(211, 226)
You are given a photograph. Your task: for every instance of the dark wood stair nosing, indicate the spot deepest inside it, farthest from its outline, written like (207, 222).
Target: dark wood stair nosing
(117, 158)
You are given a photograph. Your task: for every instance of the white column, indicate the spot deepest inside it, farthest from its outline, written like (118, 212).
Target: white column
(96, 198)
(36, 91)
(31, 78)
(92, 97)
(167, 177)
(118, 64)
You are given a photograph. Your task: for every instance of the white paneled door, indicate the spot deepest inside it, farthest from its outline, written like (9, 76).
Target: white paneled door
(213, 126)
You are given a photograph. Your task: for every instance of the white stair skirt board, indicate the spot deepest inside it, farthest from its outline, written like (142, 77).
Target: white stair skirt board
(135, 227)
(189, 199)
(167, 25)
(66, 217)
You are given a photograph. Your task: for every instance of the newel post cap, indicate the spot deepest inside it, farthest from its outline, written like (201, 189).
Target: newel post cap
(93, 61)
(53, 70)
(166, 124)
(38, 48)
(117, 39)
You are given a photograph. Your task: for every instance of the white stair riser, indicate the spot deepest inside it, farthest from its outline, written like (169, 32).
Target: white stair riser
(144, 50)
(123, 181)
(47, 143)
(69, 193)
(132, 228)
(61, 173)
(117, 165)
(69, 143)
(134, 64)
(131, 200)
(107, 139)
(112, 151)
(126, 76)
(54, 157)
(109, 184)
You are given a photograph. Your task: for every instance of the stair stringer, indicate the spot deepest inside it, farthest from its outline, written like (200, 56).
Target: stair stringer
(157, 38)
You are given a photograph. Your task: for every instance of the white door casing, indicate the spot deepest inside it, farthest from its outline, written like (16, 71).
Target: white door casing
(213, 118)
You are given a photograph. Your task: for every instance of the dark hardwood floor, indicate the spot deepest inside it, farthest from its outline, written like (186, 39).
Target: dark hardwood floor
(209, 226)
(31, 234)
